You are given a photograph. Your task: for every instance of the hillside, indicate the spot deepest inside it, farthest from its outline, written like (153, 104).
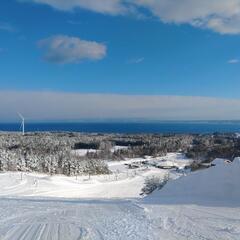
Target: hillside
(201, 205)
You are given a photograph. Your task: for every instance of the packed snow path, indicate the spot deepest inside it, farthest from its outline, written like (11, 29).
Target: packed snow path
(54, 219)
(203, 205)
(196, 222)
(71, 220)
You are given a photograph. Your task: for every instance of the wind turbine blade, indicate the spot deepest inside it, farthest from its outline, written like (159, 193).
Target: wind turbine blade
(21, 116)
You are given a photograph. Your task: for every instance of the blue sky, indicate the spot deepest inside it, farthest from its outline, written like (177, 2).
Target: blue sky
(134, 47)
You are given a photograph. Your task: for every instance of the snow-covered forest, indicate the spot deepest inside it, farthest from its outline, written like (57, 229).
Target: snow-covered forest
(77, 154)
(46, 153)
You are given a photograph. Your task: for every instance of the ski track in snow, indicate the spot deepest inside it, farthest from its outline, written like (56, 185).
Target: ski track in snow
(196, 222)
(59, 208)
(63, 220)
(46, 219)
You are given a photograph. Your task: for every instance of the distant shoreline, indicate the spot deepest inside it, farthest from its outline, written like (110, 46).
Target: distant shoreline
(168, 127)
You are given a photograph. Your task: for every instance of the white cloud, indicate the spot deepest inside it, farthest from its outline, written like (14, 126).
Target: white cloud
(64, 49)
(233, 61)
(222, 16)
(112, 7)
(219, 15)
(76, 106)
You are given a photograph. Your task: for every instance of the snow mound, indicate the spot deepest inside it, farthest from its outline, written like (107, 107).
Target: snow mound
(218, 184)
(236, 160)
(219, 161)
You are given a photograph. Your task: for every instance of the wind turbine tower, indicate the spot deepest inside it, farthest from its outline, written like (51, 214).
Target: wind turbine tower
(22, 124)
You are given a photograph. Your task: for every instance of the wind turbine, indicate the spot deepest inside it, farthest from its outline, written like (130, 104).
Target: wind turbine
(22, 124)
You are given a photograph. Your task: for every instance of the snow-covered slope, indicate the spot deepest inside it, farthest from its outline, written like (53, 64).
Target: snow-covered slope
(53, 219)
(219, 185)
(121, 183)
(203, 205)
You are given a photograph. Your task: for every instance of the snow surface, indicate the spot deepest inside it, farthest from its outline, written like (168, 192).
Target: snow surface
(171, 160)
(109, 186)
(216, 185)
(84, 152)
(202, 205)
(117, 148)
(122, 183)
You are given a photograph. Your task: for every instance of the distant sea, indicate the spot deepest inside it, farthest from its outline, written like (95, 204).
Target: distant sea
(155, 127)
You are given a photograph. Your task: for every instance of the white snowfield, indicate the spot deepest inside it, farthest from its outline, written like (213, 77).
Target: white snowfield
(203, 205)
(123, 183)
(84, 152)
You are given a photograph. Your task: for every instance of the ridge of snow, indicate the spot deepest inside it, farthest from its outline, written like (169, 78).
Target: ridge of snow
(218, 184)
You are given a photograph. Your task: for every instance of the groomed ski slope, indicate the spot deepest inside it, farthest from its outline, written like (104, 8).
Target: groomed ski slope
(191, 207)
(72, 220)
(110, 220)
(202, 205)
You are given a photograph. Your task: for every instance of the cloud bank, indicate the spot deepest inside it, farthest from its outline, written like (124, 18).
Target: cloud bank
(222, 16)
(64, 49)
(74, 106)
(218, 15)
(112, 7)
